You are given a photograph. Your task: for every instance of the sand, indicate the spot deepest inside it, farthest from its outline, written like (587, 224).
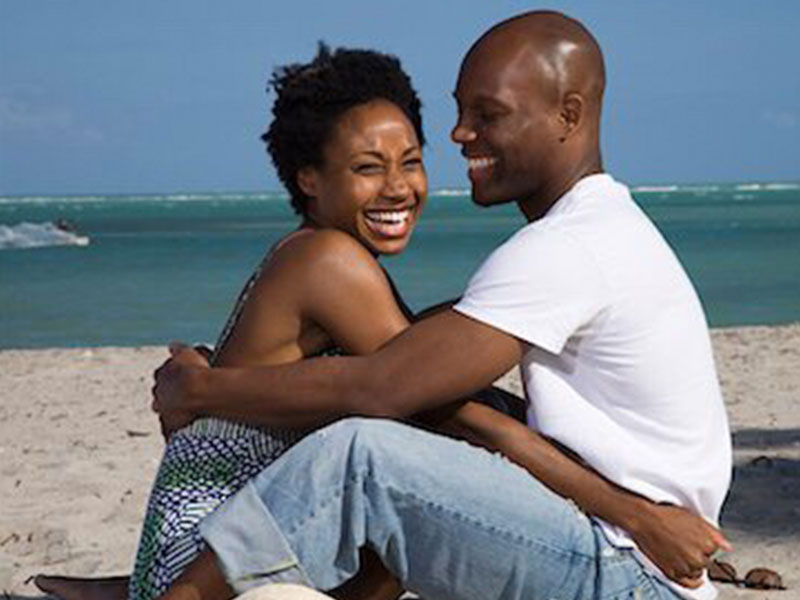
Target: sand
(79, 448)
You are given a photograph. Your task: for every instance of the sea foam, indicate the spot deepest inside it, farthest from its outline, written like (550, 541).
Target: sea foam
(38, 235)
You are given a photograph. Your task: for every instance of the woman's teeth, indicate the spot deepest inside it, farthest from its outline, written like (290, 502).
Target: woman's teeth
(389, 216)
(390, 223)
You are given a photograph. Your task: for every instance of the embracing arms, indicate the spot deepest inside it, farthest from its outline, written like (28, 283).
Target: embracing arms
(433, 363)
(428, 366)
(317, 290)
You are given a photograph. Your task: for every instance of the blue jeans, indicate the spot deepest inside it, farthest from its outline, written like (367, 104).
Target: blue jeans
(449, 520)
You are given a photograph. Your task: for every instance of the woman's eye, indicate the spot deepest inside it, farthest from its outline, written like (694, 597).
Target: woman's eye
(412, 163)
(368, 168)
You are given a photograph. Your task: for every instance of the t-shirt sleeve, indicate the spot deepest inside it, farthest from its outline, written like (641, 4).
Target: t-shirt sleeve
(541, 286)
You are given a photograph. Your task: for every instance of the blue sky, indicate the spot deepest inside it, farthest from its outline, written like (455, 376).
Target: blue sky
(169, 95)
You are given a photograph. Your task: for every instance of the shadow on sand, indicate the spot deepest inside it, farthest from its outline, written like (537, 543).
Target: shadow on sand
(766, 438)
(764, 494)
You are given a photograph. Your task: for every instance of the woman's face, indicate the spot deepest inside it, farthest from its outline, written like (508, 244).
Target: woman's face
(372, 183)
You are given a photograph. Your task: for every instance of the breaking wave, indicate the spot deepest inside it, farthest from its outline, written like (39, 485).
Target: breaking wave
(143, 198)
(38, 235)
(451, 192)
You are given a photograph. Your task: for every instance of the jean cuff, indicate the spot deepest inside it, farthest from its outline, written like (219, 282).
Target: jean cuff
(249, 547)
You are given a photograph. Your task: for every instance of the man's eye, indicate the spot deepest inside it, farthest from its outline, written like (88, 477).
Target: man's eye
(488, 117)
(412, 163)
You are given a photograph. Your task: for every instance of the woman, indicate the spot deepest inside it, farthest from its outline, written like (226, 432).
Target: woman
(346, 140)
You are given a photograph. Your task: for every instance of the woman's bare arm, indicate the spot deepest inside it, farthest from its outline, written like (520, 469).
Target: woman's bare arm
(347, 294)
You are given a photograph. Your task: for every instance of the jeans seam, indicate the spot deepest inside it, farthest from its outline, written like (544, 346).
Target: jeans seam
(357, 479)
(509, 535)
(312, 514)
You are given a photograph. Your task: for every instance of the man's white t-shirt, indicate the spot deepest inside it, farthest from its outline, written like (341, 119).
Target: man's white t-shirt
(619, 366)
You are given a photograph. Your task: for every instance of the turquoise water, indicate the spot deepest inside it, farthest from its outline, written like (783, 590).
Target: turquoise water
(164, 267)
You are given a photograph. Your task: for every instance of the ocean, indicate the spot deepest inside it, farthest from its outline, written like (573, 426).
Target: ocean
(146, 269)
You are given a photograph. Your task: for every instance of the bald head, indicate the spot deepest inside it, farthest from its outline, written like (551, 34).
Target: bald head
(557, 50)
(529, 94)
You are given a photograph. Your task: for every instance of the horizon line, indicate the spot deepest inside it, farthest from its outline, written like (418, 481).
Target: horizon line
(655, 187)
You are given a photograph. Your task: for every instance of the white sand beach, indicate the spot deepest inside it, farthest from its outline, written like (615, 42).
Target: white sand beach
(79, 447)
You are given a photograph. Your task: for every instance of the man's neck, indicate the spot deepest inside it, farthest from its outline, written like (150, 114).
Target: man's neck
(537, 206)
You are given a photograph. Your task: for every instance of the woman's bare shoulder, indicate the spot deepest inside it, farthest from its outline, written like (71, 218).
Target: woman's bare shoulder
(326, 281)
(325, 253)
(296, 274)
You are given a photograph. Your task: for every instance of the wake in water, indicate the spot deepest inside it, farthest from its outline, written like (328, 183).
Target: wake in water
(39, 235)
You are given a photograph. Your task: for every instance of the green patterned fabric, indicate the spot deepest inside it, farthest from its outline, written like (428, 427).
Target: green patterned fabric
(202, 466)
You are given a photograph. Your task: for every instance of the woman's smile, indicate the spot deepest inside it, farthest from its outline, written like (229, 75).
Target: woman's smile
(392, 223)
(373, 183)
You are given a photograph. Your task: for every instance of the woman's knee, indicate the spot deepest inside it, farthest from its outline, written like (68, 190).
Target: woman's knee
(369, 438)
(365, 430)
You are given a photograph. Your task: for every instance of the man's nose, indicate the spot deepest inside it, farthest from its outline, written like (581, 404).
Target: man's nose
(462, 133)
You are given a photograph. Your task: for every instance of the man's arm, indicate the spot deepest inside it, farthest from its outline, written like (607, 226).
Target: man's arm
(434, 309)
(677, 541)
(430, 365)
(434, 362)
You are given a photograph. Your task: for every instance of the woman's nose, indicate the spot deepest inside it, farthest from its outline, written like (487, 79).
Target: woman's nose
(396, 185)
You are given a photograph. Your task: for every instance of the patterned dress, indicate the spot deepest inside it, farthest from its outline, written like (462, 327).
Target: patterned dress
(203, 464)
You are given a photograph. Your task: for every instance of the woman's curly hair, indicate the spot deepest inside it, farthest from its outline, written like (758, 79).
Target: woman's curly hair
(312, 96)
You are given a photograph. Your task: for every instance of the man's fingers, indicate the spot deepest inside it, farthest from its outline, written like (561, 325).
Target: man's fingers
(721, 541)
(181, 354)
(690, 582)
(165, 365)
(690, 577)
(204, 351)
(176, 347)
(165, 432)
(154, 405)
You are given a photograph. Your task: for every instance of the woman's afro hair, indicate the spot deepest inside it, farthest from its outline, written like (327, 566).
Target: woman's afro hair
(311, 97)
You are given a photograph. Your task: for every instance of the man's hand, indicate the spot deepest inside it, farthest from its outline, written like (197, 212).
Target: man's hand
(201, 349)
(172, 387)
(679, 542)
(173, 421)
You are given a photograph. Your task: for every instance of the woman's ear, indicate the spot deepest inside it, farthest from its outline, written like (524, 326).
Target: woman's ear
(307, 181)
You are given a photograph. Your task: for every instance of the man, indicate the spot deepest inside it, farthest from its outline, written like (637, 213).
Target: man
(616, 360)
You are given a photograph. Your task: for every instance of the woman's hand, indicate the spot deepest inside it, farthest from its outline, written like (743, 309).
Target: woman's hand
(174, 384)
(679, 542)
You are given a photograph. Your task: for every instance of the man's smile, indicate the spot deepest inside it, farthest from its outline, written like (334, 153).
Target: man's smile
(479, 168)
(483, 162)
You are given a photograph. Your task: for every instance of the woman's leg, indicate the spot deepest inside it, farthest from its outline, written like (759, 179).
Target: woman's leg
(202, 467)
(78, 588)
(372, 582)
(447, 519)
(197, 473)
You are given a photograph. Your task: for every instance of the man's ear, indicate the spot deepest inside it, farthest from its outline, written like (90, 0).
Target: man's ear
(571, 117)
(307, 181)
